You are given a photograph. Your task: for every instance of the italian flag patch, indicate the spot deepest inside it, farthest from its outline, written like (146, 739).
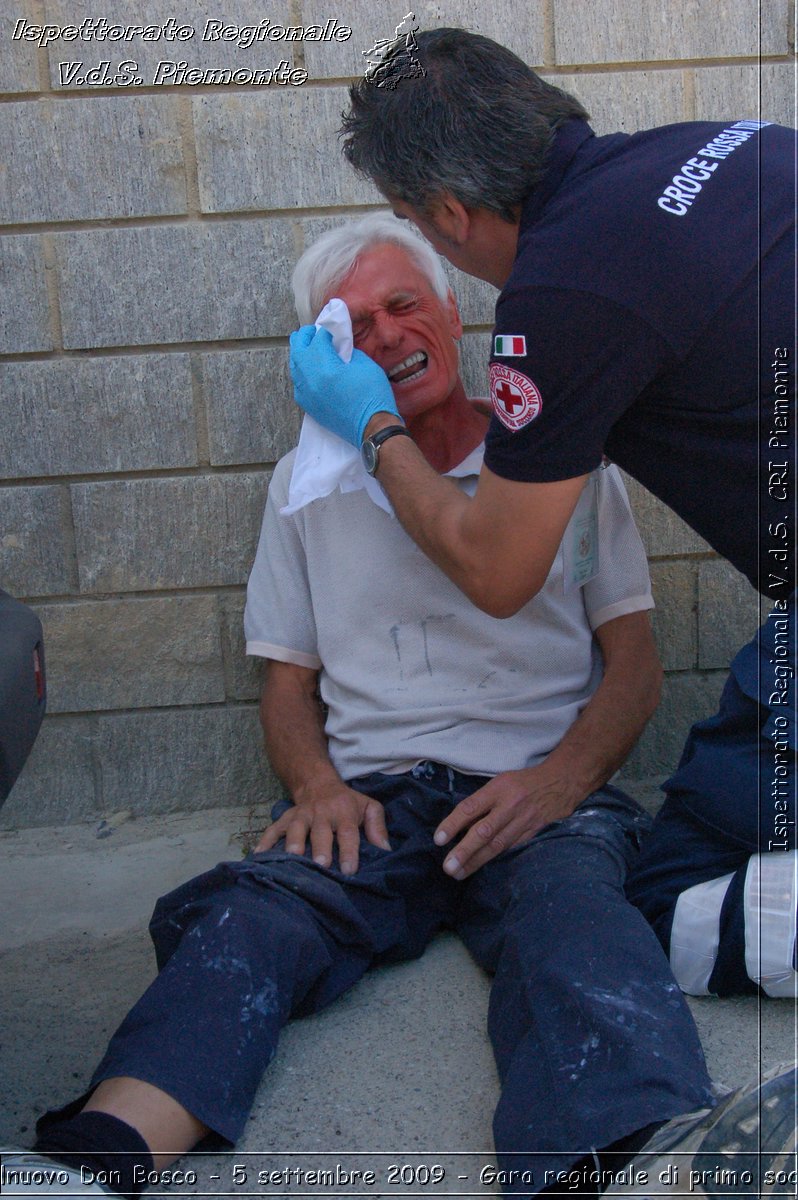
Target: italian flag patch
(509, 345)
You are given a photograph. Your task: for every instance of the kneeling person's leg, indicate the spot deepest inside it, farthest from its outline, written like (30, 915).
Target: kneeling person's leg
(717, 876)
(737, 933)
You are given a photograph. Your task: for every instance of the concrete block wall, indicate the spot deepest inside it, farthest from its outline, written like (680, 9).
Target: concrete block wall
(148, 228)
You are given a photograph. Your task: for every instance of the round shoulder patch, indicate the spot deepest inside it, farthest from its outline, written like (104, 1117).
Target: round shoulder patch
(516, 400)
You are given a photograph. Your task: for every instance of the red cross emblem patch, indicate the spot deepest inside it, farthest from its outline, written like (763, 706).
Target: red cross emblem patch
(516, 400)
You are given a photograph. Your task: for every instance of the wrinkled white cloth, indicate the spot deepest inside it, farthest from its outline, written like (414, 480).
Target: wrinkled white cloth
(323, 460)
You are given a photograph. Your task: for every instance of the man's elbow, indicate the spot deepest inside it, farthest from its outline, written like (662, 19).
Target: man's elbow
(497, 595)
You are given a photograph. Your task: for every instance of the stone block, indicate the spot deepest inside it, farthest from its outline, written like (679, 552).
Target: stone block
(244, 674)
(248, 394)
(758, 91)
(646, 790)
(663, 533)
(57, 784)
(183, 760)
(152, 534)
(182, 41)
(651, 31)
(474, 356)
(369, 22)
(19, 67)
(675, 588)
(627, 101)
(176, 283)
(279, 151)
(24, 314)
(687, 697)
(475, 298)
(85, 416)
(90, 158)
(729, 613)
(35, 543)
(310, 229)
(118, 654)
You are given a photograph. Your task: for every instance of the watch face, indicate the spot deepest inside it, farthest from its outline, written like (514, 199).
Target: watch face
(370, 455)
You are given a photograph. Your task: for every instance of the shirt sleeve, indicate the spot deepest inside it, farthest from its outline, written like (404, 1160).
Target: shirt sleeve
(622, 584)
(278, 619)
(565, 367)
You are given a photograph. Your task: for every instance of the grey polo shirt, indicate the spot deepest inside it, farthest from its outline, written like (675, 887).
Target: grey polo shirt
(409, 669)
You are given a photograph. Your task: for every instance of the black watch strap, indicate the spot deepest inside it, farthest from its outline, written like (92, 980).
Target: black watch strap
(370, 449)
(390, 431)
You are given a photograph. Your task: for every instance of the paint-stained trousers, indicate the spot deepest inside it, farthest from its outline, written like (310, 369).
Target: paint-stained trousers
(592, 1037)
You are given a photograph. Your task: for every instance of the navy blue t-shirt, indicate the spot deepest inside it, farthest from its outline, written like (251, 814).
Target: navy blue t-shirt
(649, 316)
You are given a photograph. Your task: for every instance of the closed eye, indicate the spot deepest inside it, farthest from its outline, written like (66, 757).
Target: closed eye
(404, 306)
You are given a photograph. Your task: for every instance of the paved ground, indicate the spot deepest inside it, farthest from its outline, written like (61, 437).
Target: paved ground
(400, 1066)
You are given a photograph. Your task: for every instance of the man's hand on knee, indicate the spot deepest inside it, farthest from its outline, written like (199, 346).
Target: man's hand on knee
(323, 815)
(506, 812)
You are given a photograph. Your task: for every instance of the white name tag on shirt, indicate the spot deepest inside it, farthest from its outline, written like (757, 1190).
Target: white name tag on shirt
(581, 544)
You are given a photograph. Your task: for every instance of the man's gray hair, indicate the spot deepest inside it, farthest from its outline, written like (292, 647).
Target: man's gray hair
(477, 123)
(331, 257)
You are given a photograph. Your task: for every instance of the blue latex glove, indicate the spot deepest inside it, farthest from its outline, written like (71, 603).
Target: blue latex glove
(343, 397)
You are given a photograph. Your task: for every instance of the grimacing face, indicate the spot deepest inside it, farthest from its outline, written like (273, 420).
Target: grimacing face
(400, 322)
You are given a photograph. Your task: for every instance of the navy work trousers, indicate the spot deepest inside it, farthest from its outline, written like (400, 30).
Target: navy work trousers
(592, 1037)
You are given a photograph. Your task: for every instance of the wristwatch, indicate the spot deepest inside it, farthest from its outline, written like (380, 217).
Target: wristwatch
(370, 449)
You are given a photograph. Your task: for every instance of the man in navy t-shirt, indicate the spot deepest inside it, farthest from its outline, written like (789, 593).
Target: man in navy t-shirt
(646, 312)
(648, 269)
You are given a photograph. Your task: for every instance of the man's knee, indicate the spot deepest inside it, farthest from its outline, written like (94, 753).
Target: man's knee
(608, 822)
(285, 894)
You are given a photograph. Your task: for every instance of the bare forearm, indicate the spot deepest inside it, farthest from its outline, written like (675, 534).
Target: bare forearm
(498, 546)
(293, 728)
(593, 749)
(325, 810)
(604, 734)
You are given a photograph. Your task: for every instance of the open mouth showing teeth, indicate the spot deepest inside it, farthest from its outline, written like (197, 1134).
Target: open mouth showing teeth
(412, 368)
